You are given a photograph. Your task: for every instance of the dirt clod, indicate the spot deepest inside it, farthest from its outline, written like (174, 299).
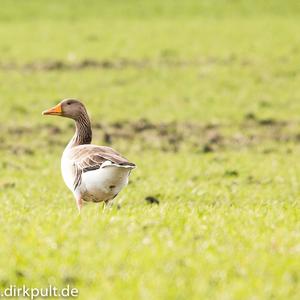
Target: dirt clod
(152, 200)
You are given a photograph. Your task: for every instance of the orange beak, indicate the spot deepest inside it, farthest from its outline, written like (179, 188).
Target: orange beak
(56, 110)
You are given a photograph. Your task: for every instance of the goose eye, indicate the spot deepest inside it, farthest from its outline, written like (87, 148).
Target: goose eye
(68, 103)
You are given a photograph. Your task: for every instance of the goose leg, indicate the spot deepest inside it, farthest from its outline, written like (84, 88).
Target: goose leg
(79, 203)
(108, 204)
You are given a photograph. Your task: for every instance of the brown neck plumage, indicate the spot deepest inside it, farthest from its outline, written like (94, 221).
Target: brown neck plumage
(83, 133)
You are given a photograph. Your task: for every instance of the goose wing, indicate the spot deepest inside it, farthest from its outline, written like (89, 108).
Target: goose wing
(90, 157)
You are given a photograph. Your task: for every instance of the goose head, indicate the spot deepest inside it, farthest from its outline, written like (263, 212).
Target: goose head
(68, 108)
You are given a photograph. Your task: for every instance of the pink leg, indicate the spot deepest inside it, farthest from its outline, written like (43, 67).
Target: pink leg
(79, 203)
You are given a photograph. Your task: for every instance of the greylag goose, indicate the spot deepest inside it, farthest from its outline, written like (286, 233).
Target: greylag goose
(93, 173)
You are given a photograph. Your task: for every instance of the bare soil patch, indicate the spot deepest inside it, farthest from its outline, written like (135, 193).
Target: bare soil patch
(165, 136)
(122, 63)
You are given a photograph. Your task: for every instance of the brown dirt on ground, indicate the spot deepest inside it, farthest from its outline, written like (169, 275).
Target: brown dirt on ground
(165, 136)
(122, 63)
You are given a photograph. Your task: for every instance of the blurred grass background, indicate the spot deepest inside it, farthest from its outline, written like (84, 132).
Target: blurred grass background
(204, 97)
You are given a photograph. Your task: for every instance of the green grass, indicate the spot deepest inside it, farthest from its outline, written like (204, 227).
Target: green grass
(216, 75)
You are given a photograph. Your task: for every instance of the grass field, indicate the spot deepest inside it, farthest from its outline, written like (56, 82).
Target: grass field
(204, 97)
